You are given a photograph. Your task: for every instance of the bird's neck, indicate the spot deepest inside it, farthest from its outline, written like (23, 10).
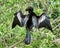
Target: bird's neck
(31, 13)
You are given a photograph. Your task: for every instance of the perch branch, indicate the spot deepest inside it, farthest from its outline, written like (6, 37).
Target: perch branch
(16, 43)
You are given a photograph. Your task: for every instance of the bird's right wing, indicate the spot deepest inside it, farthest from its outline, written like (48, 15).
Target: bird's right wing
(19, 19)
(44, 21)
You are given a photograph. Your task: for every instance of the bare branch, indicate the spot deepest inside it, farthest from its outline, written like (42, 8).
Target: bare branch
(16, 43)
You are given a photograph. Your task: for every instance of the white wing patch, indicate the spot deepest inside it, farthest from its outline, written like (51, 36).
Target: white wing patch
(41, 19)
(19, 16)
(22, 20)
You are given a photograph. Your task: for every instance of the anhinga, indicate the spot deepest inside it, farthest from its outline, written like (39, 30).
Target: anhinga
(31, 20)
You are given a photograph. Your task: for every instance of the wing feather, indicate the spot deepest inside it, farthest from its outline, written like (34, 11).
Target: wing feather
(44, 21)
(19, 19)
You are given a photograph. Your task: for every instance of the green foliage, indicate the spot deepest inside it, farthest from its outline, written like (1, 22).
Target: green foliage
(40, 39)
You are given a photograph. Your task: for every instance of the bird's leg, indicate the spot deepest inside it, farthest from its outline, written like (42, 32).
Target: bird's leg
(28, 37)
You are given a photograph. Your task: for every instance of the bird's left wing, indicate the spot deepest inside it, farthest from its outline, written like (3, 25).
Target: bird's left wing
(19, 19)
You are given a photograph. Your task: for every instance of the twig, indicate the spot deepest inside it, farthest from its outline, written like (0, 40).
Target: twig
(16, 43)
(56, 40)
(56, 19)
(5, 44)
(56, 26)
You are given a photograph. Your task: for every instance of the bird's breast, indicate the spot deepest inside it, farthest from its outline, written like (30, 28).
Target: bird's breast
(29, 22)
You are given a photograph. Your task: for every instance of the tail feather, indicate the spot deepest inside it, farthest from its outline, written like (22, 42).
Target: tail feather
(28, 38)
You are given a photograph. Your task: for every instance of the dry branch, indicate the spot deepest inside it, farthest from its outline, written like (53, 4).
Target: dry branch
(12, 46)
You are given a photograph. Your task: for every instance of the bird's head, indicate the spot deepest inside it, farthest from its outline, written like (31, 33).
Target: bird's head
(29, 9)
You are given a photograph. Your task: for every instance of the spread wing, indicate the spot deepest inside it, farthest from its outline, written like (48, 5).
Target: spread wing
(44, 21)
(19, 19)
(41, 21)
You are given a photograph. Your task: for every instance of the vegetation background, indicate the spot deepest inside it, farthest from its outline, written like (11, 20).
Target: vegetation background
(42, 38)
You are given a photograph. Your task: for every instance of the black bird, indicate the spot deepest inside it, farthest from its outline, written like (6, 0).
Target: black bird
(31, 20)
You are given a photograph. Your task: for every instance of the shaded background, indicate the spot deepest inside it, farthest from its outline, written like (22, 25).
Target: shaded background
(41, 38)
